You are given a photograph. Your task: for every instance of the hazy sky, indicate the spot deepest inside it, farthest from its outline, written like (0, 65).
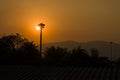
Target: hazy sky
(79, 20)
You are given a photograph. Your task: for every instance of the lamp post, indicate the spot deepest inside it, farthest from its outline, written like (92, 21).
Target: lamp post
(111, 44)
(41, 26)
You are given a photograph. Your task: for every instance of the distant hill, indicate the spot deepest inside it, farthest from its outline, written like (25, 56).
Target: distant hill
(103, 47)
(64, 44)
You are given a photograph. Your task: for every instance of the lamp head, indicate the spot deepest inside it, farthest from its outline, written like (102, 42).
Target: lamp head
(41, 25)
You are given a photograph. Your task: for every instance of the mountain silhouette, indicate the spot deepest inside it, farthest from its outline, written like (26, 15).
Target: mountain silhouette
(103, 47)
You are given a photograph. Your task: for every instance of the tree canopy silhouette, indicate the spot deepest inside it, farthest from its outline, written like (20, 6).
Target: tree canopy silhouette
(79, 56)
(15, 49)
(55, 55)
(18, 50)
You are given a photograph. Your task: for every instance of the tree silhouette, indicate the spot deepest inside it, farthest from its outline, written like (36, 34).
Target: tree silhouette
(94, 56)
(15, 49)
(55, 55)
(79, 56)
(18, 50)
(96, 59)
(11, 42)
(27, 54)
(8, 44)
(94, 53)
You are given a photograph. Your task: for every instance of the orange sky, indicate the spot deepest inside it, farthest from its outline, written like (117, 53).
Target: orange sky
(79, 20)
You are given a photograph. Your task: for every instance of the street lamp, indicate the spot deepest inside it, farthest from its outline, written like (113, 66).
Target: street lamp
(40, 27)
(111, 46)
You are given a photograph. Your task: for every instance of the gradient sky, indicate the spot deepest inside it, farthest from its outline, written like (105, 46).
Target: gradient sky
(79, 20)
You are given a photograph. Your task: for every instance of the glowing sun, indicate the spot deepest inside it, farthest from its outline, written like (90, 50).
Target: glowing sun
(37, 28)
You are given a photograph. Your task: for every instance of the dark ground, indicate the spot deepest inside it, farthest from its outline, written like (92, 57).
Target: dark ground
(58, 73)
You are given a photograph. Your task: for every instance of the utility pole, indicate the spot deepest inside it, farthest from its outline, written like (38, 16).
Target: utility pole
(111, 51)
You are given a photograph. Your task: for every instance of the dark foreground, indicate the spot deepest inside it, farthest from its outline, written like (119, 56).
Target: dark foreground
(58, 73)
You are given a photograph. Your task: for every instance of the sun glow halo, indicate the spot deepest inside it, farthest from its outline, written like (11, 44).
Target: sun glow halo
(37, 28)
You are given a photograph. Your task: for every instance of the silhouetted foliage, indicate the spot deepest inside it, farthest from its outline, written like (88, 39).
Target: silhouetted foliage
(94, 53)
(79, 56)
(11, 42)
(96, 59)
(15, 49)
(118, 62)
(55, 55)
(27, 54)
